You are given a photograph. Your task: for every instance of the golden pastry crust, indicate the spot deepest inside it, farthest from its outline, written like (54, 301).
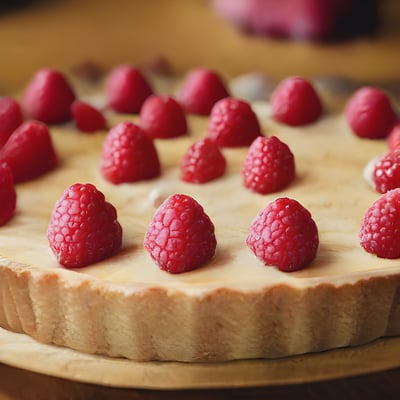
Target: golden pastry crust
(155, 323)
(232, 308)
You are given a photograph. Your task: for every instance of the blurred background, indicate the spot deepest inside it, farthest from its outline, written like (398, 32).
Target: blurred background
(182, 34)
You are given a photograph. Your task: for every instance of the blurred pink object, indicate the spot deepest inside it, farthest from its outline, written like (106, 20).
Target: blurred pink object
(301, 19)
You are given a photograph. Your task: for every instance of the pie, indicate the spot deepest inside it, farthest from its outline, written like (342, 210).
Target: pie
(234, 307)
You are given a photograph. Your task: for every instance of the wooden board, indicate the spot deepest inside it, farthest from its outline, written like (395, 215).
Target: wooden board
(23, 352)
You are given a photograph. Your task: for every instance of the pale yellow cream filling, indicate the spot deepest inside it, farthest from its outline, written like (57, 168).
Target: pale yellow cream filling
(329, 182)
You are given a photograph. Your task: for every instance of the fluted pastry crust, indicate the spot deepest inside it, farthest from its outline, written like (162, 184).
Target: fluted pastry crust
(155, 323)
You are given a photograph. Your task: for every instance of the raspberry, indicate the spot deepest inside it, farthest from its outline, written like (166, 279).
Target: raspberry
(201, 89)
(29, 151)
(129, 155)
(8, 195)
(83, 227)
(295, 102)
(370, 114)
(10, 118)
(233, 123)
(269, 165)
(180, 237)
(127, 89)
(159, 65)
(284, 235)
(202, 162)
(386, 174)
(393, 139)
(163, 117)
(87, 118)
(48, 97)
(380, 227)
(88, 71)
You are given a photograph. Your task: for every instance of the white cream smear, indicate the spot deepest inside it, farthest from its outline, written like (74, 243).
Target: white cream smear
(368, 172)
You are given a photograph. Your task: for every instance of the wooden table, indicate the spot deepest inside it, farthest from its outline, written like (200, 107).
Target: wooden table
(24, 385)
(63, 34)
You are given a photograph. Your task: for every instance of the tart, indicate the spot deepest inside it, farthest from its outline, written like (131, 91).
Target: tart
(234, 307)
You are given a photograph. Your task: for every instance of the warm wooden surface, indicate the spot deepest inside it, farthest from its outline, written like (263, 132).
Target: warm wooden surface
(64, 33)
(32, 370)
(21, 351)
(25, 385)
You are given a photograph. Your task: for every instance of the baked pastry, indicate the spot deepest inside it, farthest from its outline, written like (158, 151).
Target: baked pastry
(233, 307)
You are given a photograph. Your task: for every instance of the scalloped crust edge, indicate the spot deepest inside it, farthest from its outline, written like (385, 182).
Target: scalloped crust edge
(154, 323)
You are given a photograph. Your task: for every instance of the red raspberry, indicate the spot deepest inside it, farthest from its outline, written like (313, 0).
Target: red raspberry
(370, 114)
(83, 227)
(380, 226)
(295, 102)
(87, 118)
(88, 71)
(202, 162)
(180, 236)
(386, 174)
(201, 89)
(129, 155)
(29, 151)
(163, 117)
(48, 97)
(233, 123)
(393, 139)
(284, 235)
(10, 118)
(8, 195)
(269, 165)
(127, 89)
